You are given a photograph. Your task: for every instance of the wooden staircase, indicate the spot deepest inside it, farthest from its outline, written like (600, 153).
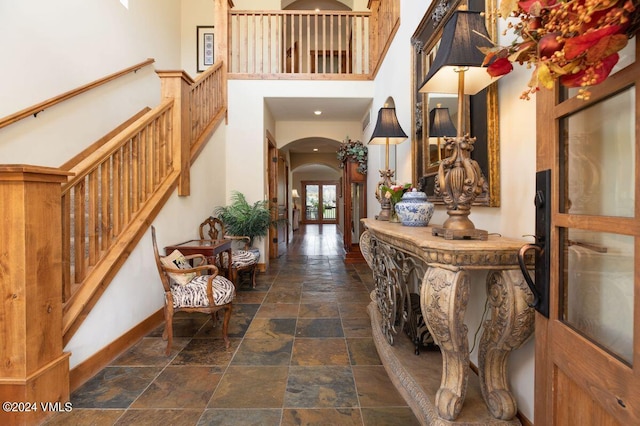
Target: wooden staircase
(97, 206)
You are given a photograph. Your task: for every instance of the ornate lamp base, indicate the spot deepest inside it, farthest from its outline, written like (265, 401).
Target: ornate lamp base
(459, 181)
(459, 226)
(385, 212)
(460, 234)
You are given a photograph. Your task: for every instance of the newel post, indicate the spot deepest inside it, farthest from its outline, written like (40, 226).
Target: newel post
(176, 85)
(33, 368)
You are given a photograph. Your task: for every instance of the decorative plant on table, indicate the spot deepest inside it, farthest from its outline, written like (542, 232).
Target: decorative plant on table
(394, 194)
(573, 41)
(354, 151)
(242, 218)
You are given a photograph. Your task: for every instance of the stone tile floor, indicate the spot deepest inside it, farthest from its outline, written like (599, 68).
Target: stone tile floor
(301, 354)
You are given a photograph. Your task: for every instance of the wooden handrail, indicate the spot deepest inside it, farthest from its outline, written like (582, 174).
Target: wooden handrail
(36, 109)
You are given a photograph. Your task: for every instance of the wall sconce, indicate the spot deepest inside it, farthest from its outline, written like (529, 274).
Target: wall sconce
(387, 131)
(440, 125)
(457, 68)
(295, 195)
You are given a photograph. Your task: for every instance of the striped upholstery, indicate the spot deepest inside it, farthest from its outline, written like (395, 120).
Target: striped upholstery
(239, 259)
(194, 294)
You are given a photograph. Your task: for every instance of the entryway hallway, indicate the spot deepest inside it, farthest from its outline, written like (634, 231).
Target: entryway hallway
(301, 353)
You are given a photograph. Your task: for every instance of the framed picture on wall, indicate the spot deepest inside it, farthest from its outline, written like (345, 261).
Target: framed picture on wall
(204, 42)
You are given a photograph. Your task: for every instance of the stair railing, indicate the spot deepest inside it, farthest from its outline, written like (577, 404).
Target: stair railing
(116, 191)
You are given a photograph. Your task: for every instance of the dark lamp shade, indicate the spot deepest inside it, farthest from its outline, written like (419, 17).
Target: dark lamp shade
(387, 129)
(440, 123)
(463, 34)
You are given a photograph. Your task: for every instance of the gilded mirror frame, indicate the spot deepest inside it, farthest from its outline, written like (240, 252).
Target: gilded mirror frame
(482, 121)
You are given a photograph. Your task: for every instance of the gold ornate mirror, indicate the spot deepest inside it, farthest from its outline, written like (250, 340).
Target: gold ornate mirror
(481, 121)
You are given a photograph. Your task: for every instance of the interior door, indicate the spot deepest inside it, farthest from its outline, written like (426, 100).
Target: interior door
(282, 233)
(355, 205)
(272, 172)
(588, 349)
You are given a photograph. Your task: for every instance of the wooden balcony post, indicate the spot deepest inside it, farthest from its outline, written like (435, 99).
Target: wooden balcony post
(221, 13)
(176, 85)
(33, 368)
(374, 34)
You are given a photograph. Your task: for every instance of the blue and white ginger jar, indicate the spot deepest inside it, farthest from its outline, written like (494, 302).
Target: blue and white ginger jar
(414, 209)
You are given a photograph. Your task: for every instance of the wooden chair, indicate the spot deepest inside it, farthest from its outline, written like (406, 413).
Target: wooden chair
(242, 260)
(200, 292)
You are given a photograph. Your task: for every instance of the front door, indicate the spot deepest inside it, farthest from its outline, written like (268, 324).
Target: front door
(588, 350)
(320, 202)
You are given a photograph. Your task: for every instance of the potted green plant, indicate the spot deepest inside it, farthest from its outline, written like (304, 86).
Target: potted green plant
(242, 218)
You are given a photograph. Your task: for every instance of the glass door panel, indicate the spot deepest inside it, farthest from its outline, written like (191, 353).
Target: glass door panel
(329, 202)
(599, 163)
(598, 288)
(312, 196)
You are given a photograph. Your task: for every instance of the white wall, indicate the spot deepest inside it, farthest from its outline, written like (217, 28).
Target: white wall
(53, 47)
(289, 131)
(194, 13)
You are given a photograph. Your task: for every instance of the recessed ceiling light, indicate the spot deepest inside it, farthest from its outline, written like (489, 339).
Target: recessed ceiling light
(317, 10)
(317, 112)
(315, 149)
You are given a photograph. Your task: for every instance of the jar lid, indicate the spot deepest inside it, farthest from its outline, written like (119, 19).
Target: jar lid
(414, 195)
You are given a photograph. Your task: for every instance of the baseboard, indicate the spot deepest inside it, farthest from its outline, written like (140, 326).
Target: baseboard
(89, 368)
(525, 421)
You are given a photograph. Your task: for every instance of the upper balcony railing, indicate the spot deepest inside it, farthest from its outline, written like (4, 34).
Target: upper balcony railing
(310, 44)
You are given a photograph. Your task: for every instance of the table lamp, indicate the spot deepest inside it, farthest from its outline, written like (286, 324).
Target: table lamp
(294, 195)
(440, 125)
(387, 131)
(457, 68)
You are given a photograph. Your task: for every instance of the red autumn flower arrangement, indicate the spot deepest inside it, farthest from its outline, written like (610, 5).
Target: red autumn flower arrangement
(573, 41)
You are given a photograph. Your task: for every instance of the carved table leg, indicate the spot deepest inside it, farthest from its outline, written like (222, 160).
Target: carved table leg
(443, 300)
(511, 324)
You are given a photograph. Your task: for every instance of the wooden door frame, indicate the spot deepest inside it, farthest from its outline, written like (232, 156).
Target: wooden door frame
(272, 172)
(351, 175)
(552, 361)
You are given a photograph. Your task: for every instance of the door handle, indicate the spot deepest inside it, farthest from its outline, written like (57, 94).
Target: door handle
(540, 288)
(525, 272)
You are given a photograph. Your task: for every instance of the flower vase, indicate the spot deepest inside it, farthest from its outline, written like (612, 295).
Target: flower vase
(414, 209)
(393, 217)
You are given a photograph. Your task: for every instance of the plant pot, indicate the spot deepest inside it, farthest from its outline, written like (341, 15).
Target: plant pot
(255, 252)
(414, 209)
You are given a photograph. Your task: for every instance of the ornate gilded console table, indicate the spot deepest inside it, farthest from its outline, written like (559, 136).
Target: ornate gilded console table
(439, 271)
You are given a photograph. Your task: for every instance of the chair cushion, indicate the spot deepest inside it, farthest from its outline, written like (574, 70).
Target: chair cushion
(194, 293)
(239, 259)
